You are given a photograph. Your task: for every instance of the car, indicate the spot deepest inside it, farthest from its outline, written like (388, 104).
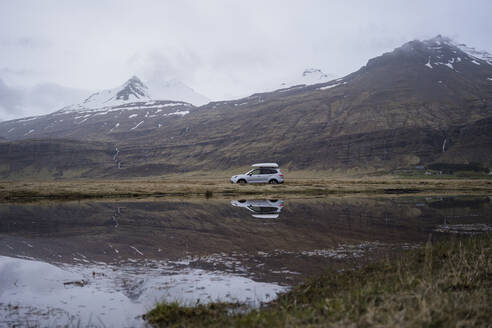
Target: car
(261, 208)
(261, 173)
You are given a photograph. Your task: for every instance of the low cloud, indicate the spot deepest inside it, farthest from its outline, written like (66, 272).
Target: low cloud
(40, 99)
(222, 49)
(25, 42)
(10, 101)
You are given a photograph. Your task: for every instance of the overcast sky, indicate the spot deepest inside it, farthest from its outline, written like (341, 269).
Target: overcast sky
(222, 49)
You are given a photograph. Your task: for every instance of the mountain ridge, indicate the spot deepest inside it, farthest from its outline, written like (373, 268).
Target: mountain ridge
(395, 111)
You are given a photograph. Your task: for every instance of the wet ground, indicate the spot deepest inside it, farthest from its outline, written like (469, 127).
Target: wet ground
(106, 263)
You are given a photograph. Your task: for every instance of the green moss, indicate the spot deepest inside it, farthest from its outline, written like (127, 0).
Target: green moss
(200, 314)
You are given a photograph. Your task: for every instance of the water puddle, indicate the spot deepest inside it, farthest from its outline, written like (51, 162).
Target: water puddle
(50, 295)
(107, 263)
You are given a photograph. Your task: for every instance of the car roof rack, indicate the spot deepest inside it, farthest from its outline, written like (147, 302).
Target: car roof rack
(268, 165)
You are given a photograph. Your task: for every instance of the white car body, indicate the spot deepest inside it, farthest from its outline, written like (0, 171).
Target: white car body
(261, 173)
(261, 209)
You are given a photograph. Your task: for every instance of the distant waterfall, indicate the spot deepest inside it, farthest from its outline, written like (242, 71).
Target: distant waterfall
(444, 145)
(116, 154)
(116, 159)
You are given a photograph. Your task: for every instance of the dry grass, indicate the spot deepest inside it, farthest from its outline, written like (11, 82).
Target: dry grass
(448, 284)
(218, 186)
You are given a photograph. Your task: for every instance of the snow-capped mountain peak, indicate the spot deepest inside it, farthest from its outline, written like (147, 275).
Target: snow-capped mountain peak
(130, 91)
(134, 90)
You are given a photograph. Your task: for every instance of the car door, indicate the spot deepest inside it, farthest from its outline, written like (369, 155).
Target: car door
(265, 175)
(255, 176)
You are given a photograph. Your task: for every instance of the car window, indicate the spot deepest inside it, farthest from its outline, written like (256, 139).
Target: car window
(263, 209)
(257, 171)
(268, 171)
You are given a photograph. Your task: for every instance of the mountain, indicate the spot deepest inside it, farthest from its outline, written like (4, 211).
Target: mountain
(101, 124)
(424, 102)
(393, 112)
(108, 115)
(134, 90)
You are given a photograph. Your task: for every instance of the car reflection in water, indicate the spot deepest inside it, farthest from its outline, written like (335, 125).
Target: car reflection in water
(261, 208)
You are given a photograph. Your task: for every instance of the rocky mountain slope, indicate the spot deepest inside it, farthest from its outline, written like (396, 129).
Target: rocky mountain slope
(425, 101)
(394, 112)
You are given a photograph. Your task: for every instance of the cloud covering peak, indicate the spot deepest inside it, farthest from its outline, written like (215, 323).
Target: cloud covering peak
(221, 49)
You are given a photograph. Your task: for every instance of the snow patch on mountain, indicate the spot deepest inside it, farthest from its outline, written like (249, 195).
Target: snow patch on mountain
(178, 113)
(136, 126)
(477, 54)
(443, 47)
(428, 64)
(332, 86)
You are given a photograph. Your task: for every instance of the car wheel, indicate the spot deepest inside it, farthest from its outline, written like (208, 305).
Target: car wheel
(242, 181)
(273, 181)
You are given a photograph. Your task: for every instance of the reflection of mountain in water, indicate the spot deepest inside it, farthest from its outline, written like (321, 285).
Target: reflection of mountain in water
(261, 208)
(45, 295)
(460, 202)
(137, 251)
(213, 234)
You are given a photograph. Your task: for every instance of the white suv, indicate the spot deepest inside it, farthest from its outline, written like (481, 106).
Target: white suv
(261, 208)
(261, 173)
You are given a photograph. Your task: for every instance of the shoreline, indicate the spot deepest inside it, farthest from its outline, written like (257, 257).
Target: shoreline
(441, 284)
(22, 191)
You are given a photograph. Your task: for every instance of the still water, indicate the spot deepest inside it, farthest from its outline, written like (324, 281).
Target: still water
(107, 263)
